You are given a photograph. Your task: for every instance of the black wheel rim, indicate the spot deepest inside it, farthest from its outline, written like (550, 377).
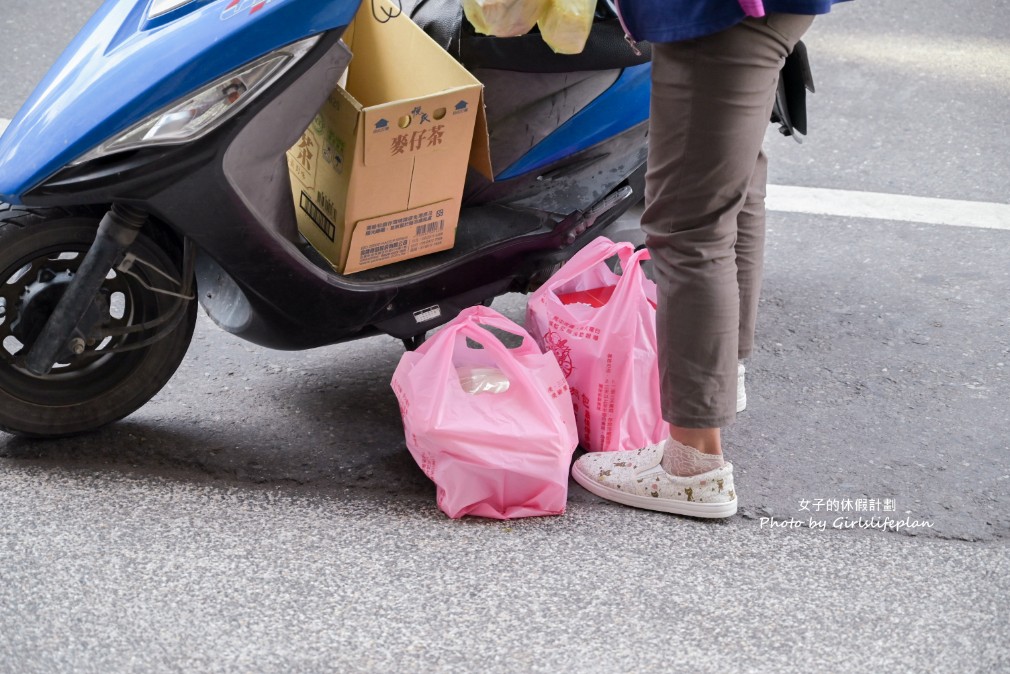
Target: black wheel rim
(79, 379)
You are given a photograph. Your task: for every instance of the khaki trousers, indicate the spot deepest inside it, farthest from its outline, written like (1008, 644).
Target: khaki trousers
(704, 215)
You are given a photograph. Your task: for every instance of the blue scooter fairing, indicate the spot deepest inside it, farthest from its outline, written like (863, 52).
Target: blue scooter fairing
(620, 108)
(229, 195)
(96, 89)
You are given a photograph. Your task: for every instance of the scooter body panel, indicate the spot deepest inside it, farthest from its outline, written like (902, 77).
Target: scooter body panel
(123, 67)
(620, 108)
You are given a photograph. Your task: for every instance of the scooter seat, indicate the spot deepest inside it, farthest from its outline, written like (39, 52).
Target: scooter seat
(606, 49)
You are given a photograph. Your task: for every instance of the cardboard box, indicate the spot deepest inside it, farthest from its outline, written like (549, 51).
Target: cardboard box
(378, 176)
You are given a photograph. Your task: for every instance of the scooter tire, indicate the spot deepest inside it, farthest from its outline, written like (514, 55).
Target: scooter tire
(87, 393)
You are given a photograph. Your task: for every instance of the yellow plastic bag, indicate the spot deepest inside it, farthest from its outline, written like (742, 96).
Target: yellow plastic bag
(565, 24)
(503, 18)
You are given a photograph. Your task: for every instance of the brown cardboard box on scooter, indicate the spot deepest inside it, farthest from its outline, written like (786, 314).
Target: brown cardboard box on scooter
(378, 176)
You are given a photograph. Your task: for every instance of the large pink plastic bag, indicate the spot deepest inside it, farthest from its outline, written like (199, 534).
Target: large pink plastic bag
(499, 455)
(608, 353)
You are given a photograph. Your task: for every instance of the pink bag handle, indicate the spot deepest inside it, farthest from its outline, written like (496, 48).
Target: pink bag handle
(481, 315)
(632, 275)
(631, 258)
(469, 325)
(596, 251)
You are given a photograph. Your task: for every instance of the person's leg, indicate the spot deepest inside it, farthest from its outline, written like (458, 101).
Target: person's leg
(711, 101)
(750, 244)
(750, 247)
(749, 251)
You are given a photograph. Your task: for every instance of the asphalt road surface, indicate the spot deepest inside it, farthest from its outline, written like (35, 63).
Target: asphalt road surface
(263, 514)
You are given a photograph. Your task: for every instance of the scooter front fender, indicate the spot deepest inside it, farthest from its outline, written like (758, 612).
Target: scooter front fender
(123, 67)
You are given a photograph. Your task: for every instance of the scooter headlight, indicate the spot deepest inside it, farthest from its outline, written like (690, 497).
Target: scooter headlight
(207, 109)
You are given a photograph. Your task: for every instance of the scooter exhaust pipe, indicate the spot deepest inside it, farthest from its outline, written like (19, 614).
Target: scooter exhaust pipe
(60, 335)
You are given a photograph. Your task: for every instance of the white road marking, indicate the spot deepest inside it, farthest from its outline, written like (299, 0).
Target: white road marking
(874, 205)
(879, 206)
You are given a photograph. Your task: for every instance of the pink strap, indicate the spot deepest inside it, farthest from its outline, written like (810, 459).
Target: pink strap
(481, 315)
(505, 358)
(753, 7)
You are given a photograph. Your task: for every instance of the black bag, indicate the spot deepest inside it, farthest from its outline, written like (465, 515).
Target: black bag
(795, 81)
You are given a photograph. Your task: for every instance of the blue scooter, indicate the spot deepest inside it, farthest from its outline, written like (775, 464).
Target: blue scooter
(148, 170)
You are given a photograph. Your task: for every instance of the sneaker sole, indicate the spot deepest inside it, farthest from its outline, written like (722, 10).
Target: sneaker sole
(689, 508)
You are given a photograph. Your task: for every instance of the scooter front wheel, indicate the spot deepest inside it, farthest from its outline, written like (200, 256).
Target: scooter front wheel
(117, 367)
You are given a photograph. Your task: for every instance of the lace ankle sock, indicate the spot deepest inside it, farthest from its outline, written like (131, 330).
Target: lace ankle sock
(685, 461)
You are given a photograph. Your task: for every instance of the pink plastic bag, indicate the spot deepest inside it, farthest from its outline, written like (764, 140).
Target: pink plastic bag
(608, 352)
(503, 453)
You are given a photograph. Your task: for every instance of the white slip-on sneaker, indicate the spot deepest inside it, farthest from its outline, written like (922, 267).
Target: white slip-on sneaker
(741, 392)
(637, 479)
